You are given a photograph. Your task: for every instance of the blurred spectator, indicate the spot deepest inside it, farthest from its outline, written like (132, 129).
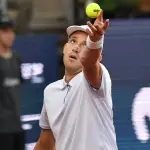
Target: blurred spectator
(11, 133)
(143, 8)
(109, 7)
(125, 8)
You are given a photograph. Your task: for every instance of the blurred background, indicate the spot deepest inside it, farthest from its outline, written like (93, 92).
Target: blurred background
(41, 33)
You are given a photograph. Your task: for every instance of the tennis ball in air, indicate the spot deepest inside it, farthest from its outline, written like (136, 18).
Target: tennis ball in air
(93, 10)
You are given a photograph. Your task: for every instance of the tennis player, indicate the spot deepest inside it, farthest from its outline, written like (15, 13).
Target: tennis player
(11, 133)
(77, 111)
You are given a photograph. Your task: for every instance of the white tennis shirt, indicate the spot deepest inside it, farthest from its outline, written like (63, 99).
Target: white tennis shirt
(79, 116)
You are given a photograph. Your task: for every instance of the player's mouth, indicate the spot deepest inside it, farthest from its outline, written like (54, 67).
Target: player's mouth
(73, 57)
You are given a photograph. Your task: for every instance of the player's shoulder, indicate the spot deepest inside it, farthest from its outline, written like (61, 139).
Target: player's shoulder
(53, 86)
(106, 80)
(104, 70)
(103, 67)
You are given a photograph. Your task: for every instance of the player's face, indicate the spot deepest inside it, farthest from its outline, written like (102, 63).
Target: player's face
(72, 50)
(7, 37)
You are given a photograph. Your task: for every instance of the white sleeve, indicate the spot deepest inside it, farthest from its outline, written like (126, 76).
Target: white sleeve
(44, 124)
(106, 84)
(105, 89)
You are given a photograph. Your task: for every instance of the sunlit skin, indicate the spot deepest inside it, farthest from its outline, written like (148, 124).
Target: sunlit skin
(72, 50)
(78, 57)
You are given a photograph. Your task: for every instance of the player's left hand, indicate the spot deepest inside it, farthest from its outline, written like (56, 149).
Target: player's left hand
(98, 28)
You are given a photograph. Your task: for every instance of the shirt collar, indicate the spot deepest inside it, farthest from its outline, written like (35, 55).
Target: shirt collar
(73, 81)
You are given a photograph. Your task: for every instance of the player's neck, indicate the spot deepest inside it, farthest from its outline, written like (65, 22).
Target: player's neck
(69, 76)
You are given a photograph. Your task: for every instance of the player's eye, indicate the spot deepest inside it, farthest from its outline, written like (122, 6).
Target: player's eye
(73, 41)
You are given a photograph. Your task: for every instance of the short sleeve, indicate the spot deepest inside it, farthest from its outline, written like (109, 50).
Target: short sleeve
(44, 123)
(106, 84)
(105, 87)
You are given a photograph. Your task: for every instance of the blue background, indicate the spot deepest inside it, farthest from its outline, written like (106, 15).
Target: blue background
(126, 56)
(35, 49)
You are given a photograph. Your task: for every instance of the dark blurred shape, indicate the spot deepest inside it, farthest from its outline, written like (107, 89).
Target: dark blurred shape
(6, 23)
(143, 9)
(115, 9)
(11, 133)
(109, 7)
(21, 13)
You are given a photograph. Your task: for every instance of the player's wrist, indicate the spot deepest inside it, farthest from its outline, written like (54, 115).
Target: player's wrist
(95, 45)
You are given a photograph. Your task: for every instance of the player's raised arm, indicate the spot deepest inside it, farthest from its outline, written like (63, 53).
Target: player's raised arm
(91, 56)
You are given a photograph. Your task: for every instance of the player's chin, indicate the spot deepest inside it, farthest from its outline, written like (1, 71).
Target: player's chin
(75, 65)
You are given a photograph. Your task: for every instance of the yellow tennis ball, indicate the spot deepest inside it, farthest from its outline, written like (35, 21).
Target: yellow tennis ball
(93, 10)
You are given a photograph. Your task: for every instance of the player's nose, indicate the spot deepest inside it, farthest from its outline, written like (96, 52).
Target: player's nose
(75, 49)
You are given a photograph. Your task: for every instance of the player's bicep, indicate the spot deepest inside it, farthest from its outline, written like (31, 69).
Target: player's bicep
(46, 140)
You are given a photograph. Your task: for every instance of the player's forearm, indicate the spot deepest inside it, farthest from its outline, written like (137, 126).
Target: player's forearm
(91, 55)
(91, 67)
(90, 59)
